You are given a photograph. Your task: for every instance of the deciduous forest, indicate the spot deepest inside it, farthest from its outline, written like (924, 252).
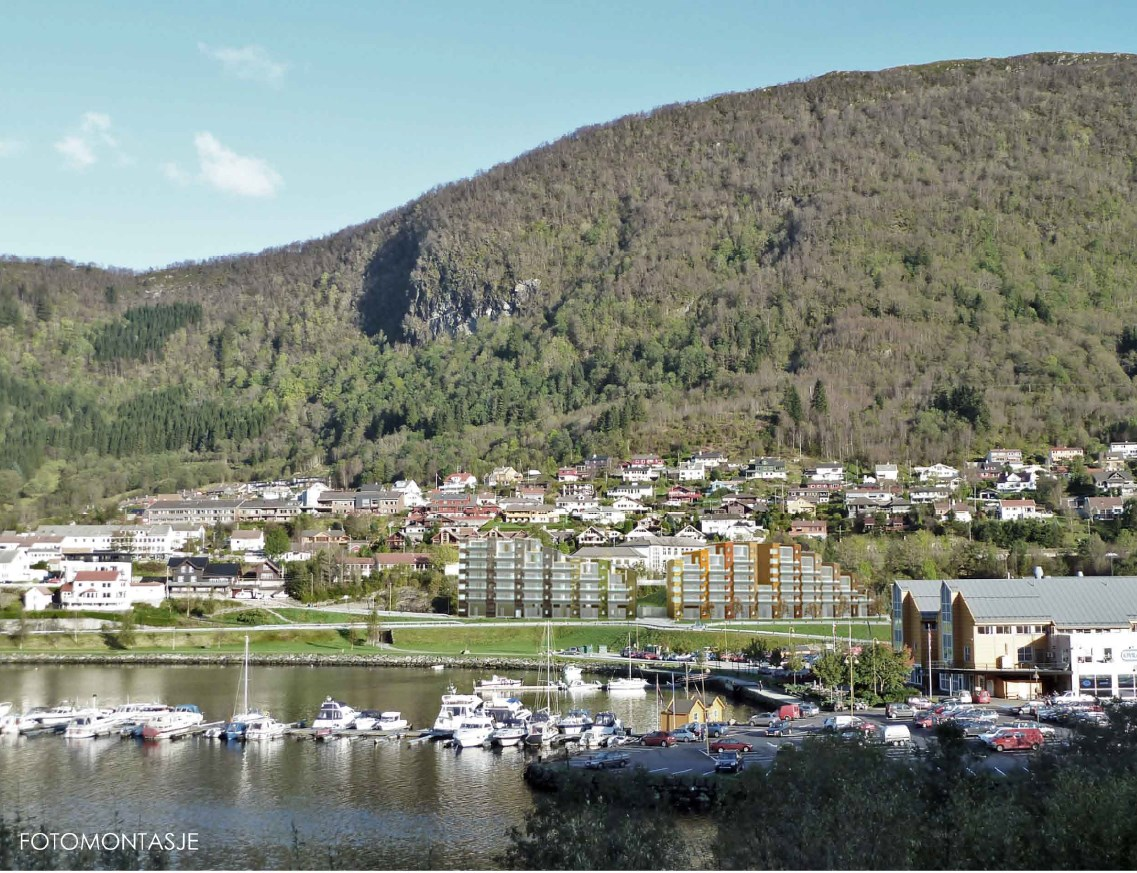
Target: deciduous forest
(945, 251)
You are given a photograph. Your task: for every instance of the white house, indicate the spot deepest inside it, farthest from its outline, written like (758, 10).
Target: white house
(731, 528)
(1124, 450)
(460, 481)
(690, 471)
(935, 473)
(1021, 510)
(634, 490)
(247, 541)
(886, 473)
(831, 472)
(38, 598)
(96, 586)
(627, 504)
(310, 496)
(412, 494)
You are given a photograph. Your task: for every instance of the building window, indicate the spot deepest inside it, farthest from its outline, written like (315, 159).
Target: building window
(1026, 655)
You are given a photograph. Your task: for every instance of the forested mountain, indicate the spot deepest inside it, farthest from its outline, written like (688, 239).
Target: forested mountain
(910, 264)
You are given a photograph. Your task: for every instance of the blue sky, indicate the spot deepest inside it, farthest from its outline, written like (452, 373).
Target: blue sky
(137, 134)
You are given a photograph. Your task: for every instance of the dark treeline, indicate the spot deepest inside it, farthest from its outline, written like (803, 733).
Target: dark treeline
(841, 806)
(143, 330)
(945, 251)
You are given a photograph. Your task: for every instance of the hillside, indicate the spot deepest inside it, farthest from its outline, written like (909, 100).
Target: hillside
(945, 249)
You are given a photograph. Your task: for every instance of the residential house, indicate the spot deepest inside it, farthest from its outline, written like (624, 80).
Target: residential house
(1128, 451)
(594, 536)
(690, 471)
(38, 598)
(412, 493)
(268, 509)
(680, 495)
(260, 581)
(197, 576)
(247, 541)
(952, 510)
(634, 490)
(1005, 456)
(502, 476)
(765, 469)
(799, 506)
(646, 460)
(316, 539)
(638, 473)
(803, 527)
(526, 512)
(1021, 510)
(829, 472)
(1064, 455)
(460, 481)
(929, 493)
(1101, 508)
(731, 528)
(568, 474)
(628, 505)
(886, 473)
(935, 473)
(709, 459)
(1015, 483)
(1118, 482)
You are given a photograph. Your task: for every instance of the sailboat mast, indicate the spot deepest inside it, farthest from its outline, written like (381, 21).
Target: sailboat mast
(246, 675)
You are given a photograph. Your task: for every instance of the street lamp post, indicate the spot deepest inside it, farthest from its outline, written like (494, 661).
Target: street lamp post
(1034, 684)
(793, 653)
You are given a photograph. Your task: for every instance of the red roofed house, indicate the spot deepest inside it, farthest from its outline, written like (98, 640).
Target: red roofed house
(106, 586)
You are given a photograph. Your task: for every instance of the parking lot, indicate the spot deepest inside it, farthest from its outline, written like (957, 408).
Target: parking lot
(693, 758)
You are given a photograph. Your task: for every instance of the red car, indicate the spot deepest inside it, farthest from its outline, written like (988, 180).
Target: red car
(723, 745)
(659, 738)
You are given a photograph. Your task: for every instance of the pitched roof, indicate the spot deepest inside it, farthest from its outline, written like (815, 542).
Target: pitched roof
(96, 576)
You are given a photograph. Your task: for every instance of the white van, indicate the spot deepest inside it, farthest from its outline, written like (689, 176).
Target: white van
(897, 735)
(840, 722)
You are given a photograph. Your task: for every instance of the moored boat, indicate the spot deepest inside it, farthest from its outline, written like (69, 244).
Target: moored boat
(392, 722)
(497, 682)
(502, 709)
(575, 723)
(174, 723)
(334, 715)
(509, 734)
(473, 730)
(264, 728)
(455, 707)
(91, 724)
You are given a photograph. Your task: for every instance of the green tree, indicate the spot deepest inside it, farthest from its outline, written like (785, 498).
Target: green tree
(819, 402)
(126, 635)
(599, 822)
(791, 403)
(277, 541)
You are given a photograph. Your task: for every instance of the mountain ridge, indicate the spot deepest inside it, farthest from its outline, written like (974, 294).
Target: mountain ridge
(941, 247)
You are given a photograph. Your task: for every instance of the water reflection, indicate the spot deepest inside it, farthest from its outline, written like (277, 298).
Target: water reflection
(392, 804)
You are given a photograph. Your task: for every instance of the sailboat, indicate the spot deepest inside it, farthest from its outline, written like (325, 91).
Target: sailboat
(620, 684)
(543, 724)
(263, 726)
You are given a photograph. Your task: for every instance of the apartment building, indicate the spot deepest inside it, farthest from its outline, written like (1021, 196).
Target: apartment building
(523, 578)
(748, 580)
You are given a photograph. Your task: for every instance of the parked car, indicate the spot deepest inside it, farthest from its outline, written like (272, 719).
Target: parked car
(981, 695)
(606, 760)
(683, 735)
(789, 711)
(729, 762)
(1071, 697)
(729, 745)
(972, 727)
(926, 719)
(779, 728)
(1005, 740)
(899, 710)
(919, 703)
(659, 738)
(840, 722)
(808, 710)
(717, 728)
(761, 719)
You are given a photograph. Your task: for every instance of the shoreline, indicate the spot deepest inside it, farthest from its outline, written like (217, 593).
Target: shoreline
(296, 660)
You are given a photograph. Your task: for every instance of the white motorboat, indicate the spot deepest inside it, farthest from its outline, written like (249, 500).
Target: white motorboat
(497, 682)
(334, 715)
(542, 729)
(174, 723)
(392, 722)
(572, 680)
(509, 734)
(264, 727)
(5, 707)
(503, 709)
(473, 730)
(575, 723)
(366, 720)
(138, 713)
(91, 724)
(455, 707)
(57, 716)
(604, 725)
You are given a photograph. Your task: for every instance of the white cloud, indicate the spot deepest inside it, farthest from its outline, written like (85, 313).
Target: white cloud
(228, 171)
(175, 173)
(81, 150)
(250, 62)
(9, 147)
